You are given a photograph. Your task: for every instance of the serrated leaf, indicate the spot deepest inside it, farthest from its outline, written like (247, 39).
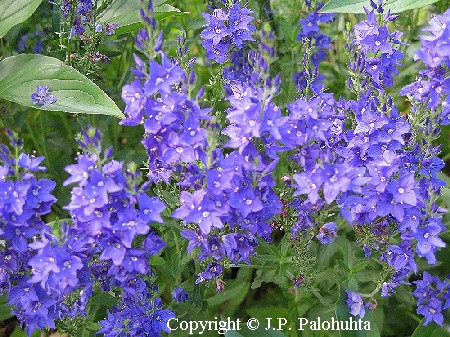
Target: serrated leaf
(126, 15)
(157, 260)
(75, 93)
(357, 6)
(13, 12)
(431, 330)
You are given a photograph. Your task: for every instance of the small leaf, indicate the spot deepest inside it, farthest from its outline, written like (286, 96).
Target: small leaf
(75, 93)
(13, 12)
(357, 6)
(431, 330)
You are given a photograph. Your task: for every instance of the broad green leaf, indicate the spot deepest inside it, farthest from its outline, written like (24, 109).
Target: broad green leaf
(343, 314)
(126, 15)
(431, 330)
(13, 12)
(21, 74)
(357, 6)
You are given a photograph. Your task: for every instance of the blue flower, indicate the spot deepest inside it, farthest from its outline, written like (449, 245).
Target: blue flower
(355, 304)
(180, 295)
(42, 97)
(326, 233)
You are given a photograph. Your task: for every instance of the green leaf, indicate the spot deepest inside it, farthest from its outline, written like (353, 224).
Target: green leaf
(19, 333)
(236, 293)
(431, 330)
(157, 260)
(260, 332)
(5, 312)
(126, 15)
(5, 308)
(21, 74)
(343, 314)
(103, 299)
(356, 6)
(13, 12)
(166, 11)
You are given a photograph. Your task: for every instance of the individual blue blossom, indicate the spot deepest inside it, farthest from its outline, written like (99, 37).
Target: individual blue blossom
(239, 247)
(355, 304)
(213, 271)
(180, 295)
(428, 240)
(326, 233)
(42, 97)
(162, 77)
(403, 189)
(245, 201)
(110, 28)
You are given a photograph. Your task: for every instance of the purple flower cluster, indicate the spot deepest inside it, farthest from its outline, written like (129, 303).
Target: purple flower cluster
(433, 296)
(372, 170)
(109, 210)
(81, 12)
(24, 200)
(316, 44)
(32, 41)
(84, 15)
(226, 28)
(141, 314)
(227, 197)
(171, 120)
(375, 58)
(358, 156)
(432, 89)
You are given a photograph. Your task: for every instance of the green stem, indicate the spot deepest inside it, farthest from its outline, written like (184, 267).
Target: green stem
(373, 293)
(33, 137)
(43, 123)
